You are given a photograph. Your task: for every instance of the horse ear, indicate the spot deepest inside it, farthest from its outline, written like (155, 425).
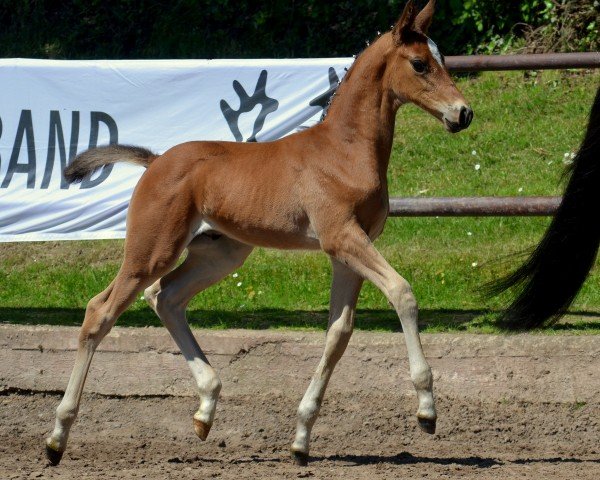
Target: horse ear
(405, 23)
(425, 16)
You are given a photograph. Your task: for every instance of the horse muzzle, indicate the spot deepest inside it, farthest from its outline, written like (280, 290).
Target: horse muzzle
(460, 121)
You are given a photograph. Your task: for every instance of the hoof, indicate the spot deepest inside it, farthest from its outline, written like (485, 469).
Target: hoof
(201, 429)
(300, 458)
(427, 425)
(53, 456)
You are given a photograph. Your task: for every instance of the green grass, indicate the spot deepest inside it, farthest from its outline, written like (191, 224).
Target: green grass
(522, 128)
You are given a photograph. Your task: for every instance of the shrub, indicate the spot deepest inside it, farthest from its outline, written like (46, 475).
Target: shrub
(279, 28)
(562, 26)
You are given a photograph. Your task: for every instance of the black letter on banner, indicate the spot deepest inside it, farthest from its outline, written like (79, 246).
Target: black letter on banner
(55, 132)
(25, 128)
(96, 118)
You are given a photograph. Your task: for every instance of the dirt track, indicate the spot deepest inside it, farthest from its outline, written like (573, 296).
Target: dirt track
(509, 407)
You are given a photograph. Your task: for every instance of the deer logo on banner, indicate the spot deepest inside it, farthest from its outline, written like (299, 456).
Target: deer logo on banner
(247, 104)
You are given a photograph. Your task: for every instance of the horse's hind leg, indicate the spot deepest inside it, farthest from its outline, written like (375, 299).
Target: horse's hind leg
(146, 259)
(208, 261)
(101, 313)
(345, 288)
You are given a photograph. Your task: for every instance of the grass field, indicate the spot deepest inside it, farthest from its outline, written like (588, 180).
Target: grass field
(524, 126)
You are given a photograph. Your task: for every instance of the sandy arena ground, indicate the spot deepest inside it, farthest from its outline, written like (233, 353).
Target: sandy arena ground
(522, 406)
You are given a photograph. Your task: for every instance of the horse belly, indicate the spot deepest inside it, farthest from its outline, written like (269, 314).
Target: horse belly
(288, 238)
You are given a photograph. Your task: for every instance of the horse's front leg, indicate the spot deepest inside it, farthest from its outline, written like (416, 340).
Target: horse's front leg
(352, 246)
(344, 293)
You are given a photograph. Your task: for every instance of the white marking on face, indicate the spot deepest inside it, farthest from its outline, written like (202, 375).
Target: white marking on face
(434, 51)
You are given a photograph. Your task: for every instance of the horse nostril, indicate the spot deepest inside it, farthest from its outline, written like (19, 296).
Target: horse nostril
(465, 117)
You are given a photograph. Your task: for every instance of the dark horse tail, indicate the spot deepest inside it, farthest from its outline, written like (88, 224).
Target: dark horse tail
(550, 279)
(86, 163)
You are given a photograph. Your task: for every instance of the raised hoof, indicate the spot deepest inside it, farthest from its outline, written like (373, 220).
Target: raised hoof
(201, 429)
(300, 458)
(427, 425)
(53, 456)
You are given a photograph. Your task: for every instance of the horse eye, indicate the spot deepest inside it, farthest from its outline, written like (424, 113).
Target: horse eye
(418, 65)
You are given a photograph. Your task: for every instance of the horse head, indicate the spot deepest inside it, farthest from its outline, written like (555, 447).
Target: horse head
(416, 70)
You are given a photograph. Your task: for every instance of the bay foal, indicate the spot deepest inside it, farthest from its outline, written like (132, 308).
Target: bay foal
(323, 188)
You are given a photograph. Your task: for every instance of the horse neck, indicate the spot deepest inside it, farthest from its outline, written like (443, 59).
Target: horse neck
(362, 114)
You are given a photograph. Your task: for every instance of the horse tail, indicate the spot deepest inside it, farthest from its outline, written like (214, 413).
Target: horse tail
(551, 277)
(86, 163)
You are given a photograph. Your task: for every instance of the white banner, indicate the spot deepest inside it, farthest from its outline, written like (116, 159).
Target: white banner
(52, 110)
